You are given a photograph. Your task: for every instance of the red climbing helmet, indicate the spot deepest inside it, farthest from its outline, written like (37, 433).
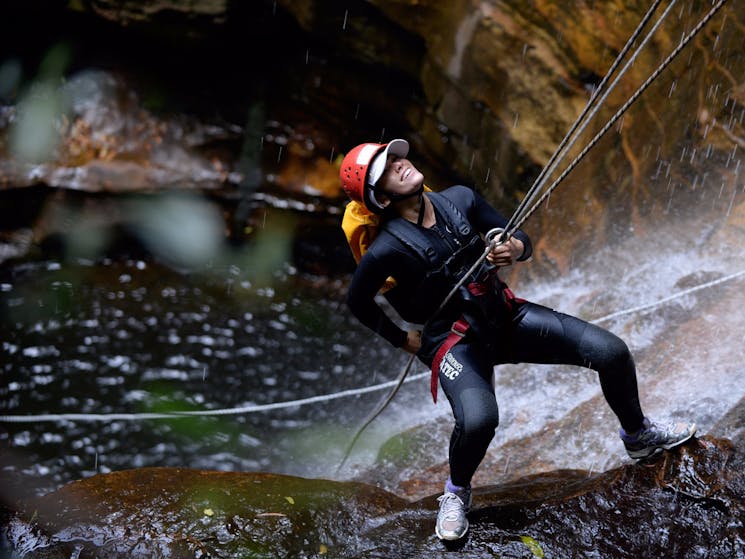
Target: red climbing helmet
(363, 166)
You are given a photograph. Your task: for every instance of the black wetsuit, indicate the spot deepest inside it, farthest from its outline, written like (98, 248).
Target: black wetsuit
(512, 332)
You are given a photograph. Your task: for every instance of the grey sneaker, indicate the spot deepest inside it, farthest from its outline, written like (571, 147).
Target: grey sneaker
(654, 437)
(452, 523)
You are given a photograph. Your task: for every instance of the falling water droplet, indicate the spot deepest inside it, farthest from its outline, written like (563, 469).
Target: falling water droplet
(731, 201)
(591, 469)
(657, 173)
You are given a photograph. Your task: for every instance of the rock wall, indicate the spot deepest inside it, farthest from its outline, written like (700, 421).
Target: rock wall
(503, 81)
(484, 90)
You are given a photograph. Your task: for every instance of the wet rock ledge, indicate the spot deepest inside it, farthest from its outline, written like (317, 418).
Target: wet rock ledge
(685, 504)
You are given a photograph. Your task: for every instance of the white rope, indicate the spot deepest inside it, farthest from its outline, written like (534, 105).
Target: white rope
(325, 397)
(201, 413)
(525, 214)
(598, 97)
(664, 300)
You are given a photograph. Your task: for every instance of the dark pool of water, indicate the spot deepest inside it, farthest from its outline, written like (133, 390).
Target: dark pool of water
(132, 336)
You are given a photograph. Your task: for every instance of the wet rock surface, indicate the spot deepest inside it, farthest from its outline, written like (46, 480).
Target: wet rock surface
(687, 503)
(486, 90)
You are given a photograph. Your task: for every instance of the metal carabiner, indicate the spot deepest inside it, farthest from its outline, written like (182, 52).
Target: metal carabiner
(492, 234)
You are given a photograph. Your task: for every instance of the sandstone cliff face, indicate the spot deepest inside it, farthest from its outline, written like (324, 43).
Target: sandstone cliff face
(503, 81)
(483, 90)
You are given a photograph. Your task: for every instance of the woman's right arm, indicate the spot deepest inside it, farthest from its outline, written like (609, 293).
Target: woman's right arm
(367, 280)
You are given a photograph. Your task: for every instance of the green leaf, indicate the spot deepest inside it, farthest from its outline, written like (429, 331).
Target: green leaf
(533, 546)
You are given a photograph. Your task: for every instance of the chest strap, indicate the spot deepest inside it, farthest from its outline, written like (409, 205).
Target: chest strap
(457, 333)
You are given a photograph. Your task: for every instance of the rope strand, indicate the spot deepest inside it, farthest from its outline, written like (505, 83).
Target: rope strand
(515, 222)
(684, 41)
(583, 119)
(325, 397)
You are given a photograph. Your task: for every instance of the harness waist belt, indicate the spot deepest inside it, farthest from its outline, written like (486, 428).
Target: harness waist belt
(461, 326)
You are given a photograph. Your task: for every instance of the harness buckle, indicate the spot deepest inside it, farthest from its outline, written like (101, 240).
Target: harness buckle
(459, 328)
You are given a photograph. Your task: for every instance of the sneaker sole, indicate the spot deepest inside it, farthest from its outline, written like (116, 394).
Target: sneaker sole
(650, 451)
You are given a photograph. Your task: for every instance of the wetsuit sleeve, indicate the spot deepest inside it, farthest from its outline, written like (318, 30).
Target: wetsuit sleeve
(366, 281)
(485, 217)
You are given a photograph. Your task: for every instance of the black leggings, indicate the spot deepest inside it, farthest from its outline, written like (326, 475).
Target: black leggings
(536, 335)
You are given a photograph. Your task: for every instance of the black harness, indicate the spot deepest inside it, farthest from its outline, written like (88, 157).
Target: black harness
(479, 300)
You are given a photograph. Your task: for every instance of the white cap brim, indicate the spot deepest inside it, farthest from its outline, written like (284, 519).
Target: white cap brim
(377, 167)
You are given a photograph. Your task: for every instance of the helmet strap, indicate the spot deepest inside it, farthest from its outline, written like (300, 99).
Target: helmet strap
(394, 197)
(420, 217)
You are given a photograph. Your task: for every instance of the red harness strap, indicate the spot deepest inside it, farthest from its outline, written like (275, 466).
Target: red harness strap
(460, 327)
(457, 333)
(510, 299)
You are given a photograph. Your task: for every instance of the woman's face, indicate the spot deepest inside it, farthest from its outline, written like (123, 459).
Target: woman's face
(400, 176)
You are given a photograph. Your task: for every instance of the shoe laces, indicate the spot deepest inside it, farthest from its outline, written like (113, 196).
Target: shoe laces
(654, 431)
(451, 505)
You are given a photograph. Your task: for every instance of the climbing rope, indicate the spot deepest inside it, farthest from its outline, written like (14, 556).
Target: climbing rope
(259, 408)
(525, 214)
(594, 103)
(521, 214)
(660, 302)
(194, 413)
(494, 238)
